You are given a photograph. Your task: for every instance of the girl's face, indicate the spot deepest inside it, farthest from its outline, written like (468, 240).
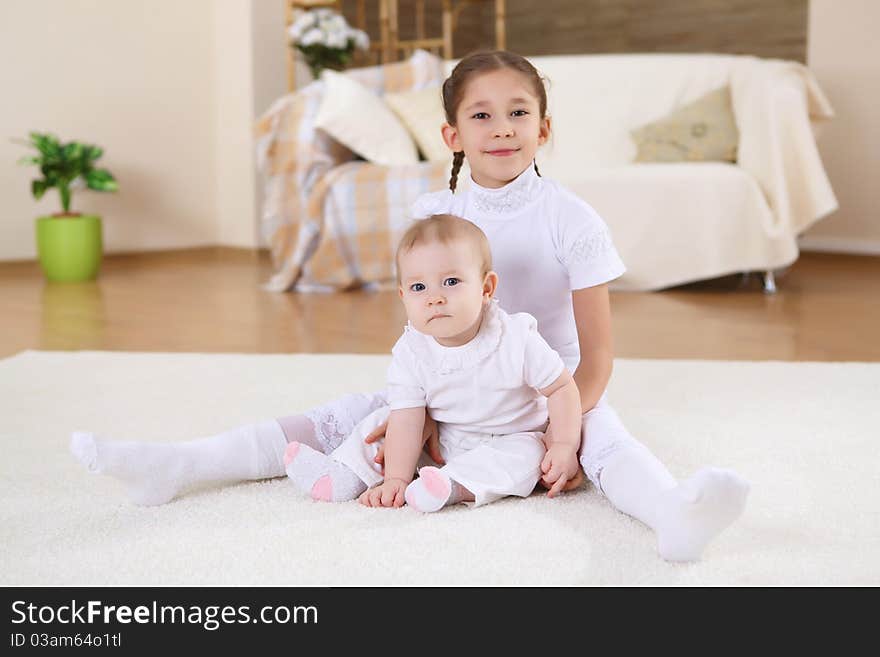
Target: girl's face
(444, 291)
(499, 126)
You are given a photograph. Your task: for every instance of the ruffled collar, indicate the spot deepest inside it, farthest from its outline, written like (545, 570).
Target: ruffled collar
(446, 360)
(516, 194)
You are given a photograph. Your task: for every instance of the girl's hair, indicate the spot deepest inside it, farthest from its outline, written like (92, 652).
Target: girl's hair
(445, 228)
(483, 62)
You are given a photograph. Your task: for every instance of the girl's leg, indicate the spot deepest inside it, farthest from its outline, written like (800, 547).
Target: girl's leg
(324, 428)
(685, 515)
(154, 473)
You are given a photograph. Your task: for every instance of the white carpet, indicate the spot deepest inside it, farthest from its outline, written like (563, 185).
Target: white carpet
(804, 434)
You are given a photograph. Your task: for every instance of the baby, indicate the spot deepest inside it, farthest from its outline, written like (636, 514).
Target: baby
(488, 378)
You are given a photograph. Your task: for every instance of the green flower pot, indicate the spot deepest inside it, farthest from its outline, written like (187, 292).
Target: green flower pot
(70, 248)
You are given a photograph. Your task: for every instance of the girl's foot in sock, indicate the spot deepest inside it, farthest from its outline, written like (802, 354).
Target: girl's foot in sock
(433, 490)
(697, 510)
(320, 476)
(150, 472)
(154, 473)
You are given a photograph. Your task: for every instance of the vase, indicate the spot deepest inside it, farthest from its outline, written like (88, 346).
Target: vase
(70, 248)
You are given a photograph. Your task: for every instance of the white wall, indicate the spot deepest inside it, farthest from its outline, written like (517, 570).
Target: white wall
(235, 184)
(844, 52)
(269, 64)
(270, 53)
(169, 89)
(132, 77)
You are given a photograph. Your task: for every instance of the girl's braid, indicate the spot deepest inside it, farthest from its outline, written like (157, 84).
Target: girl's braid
(457, 161)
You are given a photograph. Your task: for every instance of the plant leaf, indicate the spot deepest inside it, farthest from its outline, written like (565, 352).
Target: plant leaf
(47, 144)
(101, 180)
(72, 151)
(52, 177)
(38, 188)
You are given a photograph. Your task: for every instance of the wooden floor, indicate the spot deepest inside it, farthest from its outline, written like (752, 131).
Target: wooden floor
(209, 300)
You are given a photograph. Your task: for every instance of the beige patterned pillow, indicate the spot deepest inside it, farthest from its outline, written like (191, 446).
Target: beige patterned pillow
(702, 130)
(422, 114)
(358, 119)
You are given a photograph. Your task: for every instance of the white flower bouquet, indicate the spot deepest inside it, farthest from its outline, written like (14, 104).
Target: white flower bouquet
(326, 40)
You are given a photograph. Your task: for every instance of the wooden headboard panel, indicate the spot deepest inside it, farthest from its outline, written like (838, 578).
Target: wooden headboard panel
(397, 28)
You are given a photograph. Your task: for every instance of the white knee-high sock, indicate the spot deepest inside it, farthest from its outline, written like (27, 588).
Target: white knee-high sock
(154, 473)
(685, 516)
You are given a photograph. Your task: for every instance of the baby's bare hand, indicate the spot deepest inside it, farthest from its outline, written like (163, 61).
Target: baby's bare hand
(388, 494)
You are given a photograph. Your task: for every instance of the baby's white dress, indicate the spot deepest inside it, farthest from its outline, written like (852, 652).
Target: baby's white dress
(485, 398)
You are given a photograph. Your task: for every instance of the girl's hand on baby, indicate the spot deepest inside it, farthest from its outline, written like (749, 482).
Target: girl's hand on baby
(387, 494)
(430, 440)
(560, 465)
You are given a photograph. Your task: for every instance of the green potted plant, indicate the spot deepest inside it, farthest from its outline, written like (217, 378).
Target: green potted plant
(69, 244)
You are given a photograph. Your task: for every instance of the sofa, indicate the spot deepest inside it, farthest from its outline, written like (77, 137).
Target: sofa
(333, 207)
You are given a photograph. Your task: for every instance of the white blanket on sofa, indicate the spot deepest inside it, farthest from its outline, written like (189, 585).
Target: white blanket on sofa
(743, 216)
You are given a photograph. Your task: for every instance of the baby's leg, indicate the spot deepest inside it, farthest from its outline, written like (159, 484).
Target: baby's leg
(346, 472)
(494, 468)
(435, 489)
(685, 516)
(320, 476)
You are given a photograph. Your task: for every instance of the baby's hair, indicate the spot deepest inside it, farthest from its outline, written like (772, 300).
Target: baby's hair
(445, 228)
(485, 61)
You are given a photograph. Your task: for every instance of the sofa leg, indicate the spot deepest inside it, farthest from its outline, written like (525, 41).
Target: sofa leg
(769, 282)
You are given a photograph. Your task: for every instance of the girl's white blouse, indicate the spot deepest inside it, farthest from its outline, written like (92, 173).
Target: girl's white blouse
(545, 242)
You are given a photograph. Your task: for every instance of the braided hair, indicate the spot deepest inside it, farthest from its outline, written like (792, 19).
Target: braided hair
(457, 161)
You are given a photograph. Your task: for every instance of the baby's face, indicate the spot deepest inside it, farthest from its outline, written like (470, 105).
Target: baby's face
(442, 290)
